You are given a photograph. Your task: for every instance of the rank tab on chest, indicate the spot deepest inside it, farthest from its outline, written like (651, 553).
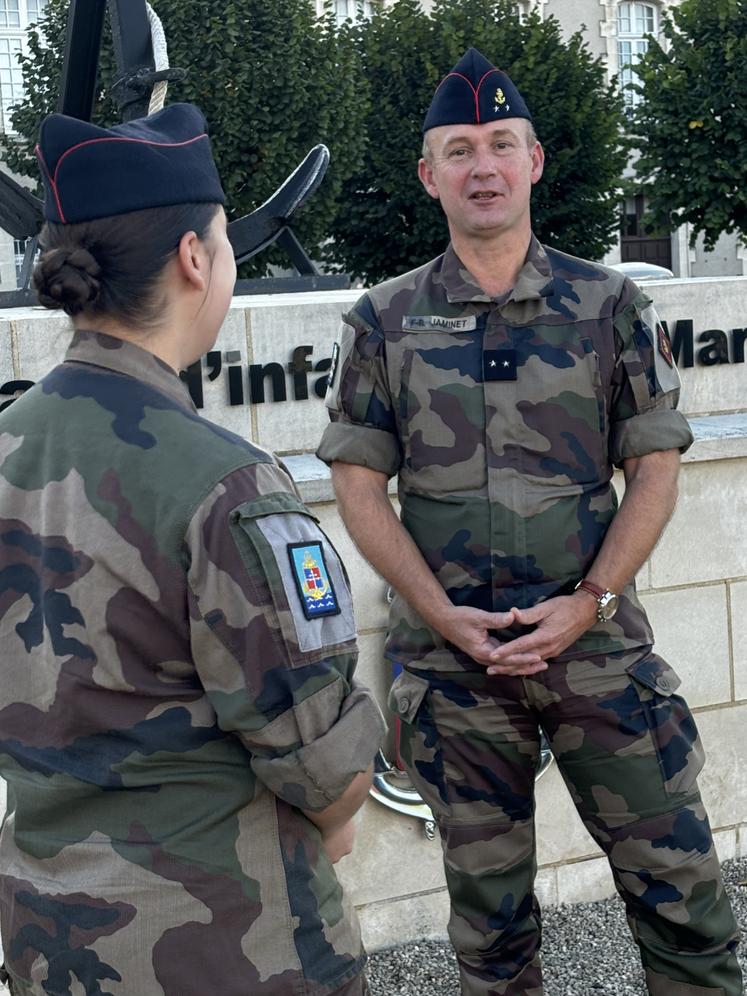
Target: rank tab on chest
(499, 364)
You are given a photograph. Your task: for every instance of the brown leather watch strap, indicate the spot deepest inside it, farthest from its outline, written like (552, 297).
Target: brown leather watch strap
(592, 588)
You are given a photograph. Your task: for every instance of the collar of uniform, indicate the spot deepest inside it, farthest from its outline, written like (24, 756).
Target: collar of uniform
(535, 280)
(459, 283)
(112, 353)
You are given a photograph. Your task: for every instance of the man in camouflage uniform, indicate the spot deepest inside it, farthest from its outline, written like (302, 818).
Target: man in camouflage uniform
(502, 382)
(180, 727)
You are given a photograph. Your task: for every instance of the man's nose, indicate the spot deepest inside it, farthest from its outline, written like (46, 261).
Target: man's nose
(483, 163)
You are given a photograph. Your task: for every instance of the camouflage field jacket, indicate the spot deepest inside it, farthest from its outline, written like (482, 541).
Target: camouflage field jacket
(503, 420)
(176, 684)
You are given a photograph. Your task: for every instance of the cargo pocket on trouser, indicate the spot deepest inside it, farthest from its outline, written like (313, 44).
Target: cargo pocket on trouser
(420, 745)
(670, 722)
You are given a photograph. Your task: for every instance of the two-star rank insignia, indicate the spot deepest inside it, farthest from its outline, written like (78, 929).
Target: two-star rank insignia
(499, 364)
(312, 580)
(665, 346)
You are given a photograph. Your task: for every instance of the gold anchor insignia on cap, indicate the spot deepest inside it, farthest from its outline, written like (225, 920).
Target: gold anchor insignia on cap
(500, 97)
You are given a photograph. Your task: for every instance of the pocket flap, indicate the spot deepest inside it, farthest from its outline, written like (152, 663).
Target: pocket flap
(656, 674)
(406, 695)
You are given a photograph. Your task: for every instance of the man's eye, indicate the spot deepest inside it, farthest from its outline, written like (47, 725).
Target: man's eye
(458, 153)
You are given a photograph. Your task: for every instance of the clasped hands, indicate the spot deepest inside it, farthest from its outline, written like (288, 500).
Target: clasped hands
(558, 623)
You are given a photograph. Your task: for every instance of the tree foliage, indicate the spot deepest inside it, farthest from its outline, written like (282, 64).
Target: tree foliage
(692, 124)
(271, 78)
(389, 224)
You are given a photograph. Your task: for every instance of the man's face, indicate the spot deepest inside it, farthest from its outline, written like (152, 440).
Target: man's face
(483, 175)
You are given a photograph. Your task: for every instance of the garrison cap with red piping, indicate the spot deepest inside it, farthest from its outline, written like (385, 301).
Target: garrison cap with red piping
(91, 172)
(474, 92)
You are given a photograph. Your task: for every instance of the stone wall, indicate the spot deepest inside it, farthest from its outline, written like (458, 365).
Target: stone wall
(694, 585)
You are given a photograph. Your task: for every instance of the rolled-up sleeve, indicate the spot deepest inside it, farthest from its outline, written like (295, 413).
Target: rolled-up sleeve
(646, 385)
(273, 640)
(362, 427)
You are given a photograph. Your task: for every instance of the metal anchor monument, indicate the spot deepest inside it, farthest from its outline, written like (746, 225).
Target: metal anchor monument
(139, 88)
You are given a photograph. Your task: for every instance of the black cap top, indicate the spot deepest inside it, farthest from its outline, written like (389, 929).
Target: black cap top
(91, 172)
(474, 92)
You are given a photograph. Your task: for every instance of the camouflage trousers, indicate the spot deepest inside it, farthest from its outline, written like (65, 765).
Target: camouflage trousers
(629, 752)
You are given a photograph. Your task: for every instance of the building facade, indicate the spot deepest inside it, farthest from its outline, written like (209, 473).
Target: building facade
(615, 30)
(16, 16)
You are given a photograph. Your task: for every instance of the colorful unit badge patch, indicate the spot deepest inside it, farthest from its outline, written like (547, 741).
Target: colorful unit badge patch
(665, 346)
(312, 580)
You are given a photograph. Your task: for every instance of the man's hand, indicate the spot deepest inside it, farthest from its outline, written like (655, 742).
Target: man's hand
(337, 843)
(559, 621)
(470, 630)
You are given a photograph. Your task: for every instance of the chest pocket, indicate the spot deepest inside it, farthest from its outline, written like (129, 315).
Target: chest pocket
(557, 428)
(440, 409)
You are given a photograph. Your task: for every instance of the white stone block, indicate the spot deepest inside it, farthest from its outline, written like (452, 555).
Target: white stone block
(708, 390)
(711, 304)
(232, 339)
(419, 917)
(723, 783)
(276, 330)
(7, 371)
(546, 886)
(702, 541)
(561, 836)
(585, 881)
(690, 628)
(738, 598)
(726, 845)
(392, 857)
(42, 341)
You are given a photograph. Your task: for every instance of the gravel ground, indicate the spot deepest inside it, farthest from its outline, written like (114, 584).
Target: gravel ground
(586, 951)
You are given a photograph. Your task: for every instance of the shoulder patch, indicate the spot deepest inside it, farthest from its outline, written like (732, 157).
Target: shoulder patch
(665, 346)
(666, 371)
(315, 589)
(341, 353)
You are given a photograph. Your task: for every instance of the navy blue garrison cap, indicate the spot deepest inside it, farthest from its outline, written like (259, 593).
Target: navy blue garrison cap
(474, 92)
(91, 172)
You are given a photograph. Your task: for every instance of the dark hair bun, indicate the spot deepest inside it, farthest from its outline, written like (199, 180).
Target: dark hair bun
(67, 278)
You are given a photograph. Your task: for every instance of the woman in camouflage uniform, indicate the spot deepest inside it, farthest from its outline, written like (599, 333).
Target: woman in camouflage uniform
(181, 733)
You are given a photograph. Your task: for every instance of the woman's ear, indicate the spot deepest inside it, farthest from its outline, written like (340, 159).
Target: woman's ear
(192, 261)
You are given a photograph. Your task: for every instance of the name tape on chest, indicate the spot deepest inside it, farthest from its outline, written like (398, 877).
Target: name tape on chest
(438, 323)
(314, 586)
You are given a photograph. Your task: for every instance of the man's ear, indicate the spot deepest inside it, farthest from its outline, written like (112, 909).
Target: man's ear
(425, 172)
(538, 162)
(192, 260)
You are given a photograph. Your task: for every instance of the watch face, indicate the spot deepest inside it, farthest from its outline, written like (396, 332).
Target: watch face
(608, 604)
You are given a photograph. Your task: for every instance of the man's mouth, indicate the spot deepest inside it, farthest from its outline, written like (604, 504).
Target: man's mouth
(483, 195)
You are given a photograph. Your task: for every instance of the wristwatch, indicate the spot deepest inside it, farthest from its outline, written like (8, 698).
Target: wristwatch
(607, 602)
